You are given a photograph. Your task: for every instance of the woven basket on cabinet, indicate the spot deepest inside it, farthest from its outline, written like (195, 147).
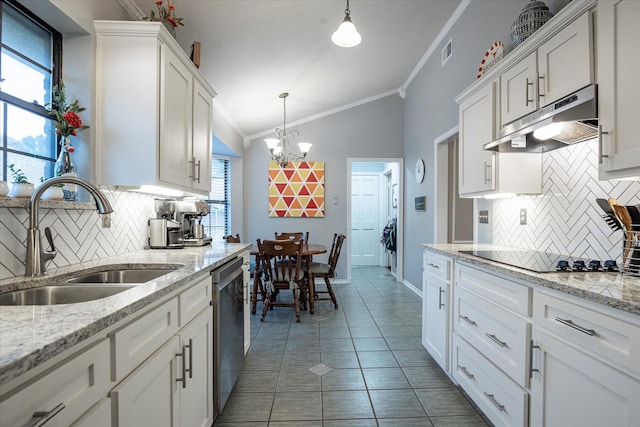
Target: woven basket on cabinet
(533, 16)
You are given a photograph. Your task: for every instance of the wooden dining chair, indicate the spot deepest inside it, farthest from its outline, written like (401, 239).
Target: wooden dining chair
(232, 239)
(325, 270)
(280, 266)
(296, 236)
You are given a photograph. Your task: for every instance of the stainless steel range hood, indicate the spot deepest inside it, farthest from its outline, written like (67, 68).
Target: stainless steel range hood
(578, 112)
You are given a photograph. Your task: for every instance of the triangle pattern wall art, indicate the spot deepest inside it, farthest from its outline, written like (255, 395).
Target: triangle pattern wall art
(297, 190)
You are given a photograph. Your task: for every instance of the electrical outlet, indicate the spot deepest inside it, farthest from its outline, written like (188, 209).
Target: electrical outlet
(523, 217)
(483, 217)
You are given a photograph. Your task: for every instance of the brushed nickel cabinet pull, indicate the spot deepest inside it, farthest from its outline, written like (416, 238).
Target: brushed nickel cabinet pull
(466, 372)
(526, 95)
(540, 95)
(531, 368)
(493, 400)
(440, 303)
(190, 346)
(196, 165)
(487, 176)
(469, 321)
(46, 416)
(496, 340)
(601, 155)
(183, 380)
(433, 265)
(569, 322)
(192, 169)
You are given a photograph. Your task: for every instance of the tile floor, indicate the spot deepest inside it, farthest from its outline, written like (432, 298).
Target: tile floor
(360, 365)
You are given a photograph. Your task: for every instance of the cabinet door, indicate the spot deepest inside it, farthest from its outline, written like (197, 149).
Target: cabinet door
(565, 62)
(98, 416)
(518, 90)
(246, 277)
(573, 389)
(435, 333)
(196, 397)
(618, 87)
(202, 138)
(477, 127)
(150, 395)
(175, 119)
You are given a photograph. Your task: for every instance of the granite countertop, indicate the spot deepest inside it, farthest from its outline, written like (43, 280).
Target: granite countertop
(616, 290)
(31, 335)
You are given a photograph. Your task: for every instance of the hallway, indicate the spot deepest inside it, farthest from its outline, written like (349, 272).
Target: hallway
(360, 365)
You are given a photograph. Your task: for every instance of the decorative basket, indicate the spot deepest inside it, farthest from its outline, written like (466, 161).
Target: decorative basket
(533, 16)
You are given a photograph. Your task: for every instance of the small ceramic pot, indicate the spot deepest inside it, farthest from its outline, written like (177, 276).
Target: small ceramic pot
(4, 189)
(21, 190)
(53, 193)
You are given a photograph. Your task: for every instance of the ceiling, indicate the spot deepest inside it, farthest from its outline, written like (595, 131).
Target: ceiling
(253, 50)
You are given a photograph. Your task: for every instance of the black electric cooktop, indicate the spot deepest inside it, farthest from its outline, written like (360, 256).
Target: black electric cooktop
(540, 262)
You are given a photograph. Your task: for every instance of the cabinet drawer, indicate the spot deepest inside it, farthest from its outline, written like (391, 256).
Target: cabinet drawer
(73, 388)
(496, 333)
(498, 290)
(500, 399)
(194, 300)
(611, 338)
(133, 344)
(438, 265)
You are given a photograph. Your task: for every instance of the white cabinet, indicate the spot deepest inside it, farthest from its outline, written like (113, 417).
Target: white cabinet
(152, 104)
(618, 88)
(62, 395)
(560, 66)
(150, 395)
(484, 172)
(196, 393)
(585, 367)
(98, 416)
(436, 291)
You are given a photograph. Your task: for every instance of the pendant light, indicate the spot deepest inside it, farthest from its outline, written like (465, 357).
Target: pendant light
(346, 35)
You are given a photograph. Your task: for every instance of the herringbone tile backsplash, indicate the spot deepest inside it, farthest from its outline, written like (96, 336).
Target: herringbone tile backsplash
(565, 219)
(78, 234)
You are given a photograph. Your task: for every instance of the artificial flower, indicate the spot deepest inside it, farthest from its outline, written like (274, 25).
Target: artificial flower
(67, 122)
(167, 13)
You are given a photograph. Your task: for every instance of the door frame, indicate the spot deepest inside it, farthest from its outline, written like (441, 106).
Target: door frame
(400, 240)
(441, 173)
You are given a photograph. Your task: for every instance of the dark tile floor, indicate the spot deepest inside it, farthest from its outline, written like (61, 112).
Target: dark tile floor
(361, 365)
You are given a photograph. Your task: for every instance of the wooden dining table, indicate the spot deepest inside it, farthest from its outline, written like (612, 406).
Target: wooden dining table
(308, 251)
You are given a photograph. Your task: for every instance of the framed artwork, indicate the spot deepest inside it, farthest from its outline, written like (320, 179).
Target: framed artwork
(296, 190)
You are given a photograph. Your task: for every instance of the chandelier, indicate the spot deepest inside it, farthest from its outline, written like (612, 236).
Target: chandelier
(346, 35)
(279, 147)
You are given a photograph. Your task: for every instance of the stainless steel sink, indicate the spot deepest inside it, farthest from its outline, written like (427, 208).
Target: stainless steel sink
(60, 294)
(121, 276)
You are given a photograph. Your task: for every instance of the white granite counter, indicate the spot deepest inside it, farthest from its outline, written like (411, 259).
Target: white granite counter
(616, 290)
(31, 335)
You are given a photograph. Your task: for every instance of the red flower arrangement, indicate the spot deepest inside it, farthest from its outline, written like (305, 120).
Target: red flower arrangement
(67, 122)
(167, 13)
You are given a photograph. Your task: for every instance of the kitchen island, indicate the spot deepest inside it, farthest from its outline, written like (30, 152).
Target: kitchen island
(31, 336)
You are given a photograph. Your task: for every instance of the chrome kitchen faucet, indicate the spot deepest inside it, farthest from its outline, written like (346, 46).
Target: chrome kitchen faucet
(35, 264)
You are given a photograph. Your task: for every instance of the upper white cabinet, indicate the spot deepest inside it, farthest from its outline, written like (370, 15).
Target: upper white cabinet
(154, 110)
(618, 88)
(560, 66)
(484, 172)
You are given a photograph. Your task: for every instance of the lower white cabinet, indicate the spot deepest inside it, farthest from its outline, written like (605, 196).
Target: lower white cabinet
(62, 395)
(435, 308)
(246, 264)
(98, 416)
(571, 388)
(196, 393)
(149, 395)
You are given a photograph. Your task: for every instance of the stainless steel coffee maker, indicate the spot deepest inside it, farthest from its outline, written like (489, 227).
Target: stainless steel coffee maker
(164, 231)
(189, 213)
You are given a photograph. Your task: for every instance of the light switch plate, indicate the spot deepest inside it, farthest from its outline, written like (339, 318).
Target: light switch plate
(483, 217)
(523, 217)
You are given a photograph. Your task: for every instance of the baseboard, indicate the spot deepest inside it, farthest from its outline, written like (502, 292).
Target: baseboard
(412, 288)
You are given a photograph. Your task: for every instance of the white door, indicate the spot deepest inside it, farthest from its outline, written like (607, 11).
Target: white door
(365, 219)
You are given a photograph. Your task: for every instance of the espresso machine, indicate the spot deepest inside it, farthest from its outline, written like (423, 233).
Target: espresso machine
(189, 214)
(164, 231)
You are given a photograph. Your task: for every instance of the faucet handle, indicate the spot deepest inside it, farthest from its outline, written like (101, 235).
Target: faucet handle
(47, 234)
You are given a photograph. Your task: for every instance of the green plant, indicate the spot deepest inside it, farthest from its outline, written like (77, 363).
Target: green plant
(167, 13)
(67, 121)
(18, 176)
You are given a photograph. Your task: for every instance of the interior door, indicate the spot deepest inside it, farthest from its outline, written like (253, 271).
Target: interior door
(365, 219)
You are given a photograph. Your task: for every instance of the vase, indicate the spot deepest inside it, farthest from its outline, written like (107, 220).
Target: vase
(4, 189)
(21, 190)
(168, 25)
(53, 193)
(66, 167)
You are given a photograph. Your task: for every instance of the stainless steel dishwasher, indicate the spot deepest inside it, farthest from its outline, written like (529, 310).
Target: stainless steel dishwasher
(228, 330)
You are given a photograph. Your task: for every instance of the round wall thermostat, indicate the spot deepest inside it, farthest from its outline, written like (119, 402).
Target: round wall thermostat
(419, 171)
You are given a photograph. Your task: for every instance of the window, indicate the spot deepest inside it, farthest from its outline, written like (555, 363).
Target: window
(216, 224)
(30, 53)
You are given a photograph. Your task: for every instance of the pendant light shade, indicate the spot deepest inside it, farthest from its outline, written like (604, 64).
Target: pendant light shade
(346, 35)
